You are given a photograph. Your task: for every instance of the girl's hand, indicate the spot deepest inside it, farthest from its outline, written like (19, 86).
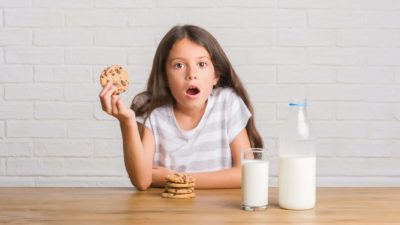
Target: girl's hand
(113, 105)
(158, 176)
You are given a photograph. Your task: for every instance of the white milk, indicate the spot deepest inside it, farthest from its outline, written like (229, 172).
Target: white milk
(254, 183)
(297, 182)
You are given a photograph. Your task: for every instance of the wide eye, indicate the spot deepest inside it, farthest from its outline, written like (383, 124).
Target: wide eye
(179, 65)
(202, 64)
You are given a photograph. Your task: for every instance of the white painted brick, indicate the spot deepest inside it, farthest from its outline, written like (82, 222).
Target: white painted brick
(1, 56)
(35, 167)
(14, 36)
(358, 181)
(384, 56)
(306, 37)
(94, 129)
(104, 56)
(246, 4)
(275, 18)
(115, 182)
(384, 93)
(397, 111)
(33, 18)
(368, 38)
(383, 19)
(307, 4)
(269, 93)
(2, 129)
(244, 36)
(99, 114)
(65, 182)
(256, 74)
(315, 110)
(280, 56)
(363, 148)
(165, 17)
(100, 18)
(396, 149)
(124, 4)
(62, 4)
(384, 130)
(11, 74)
(36, 129)
(33, 92)
(1, 18)
(124, 37)
(108, 148)
(17, 182)
(269, 129)
(63, 74)
(336, 56)
(237, 56)
(2, 167)
(359, 75)
(15, 148)
(264, 111)
(340, 129)
(34, 55)
(336, 19)
(139, 74)
(63, 148)
(335, 92)
(79, 93)
(16, 110)
(62, 37)
(306, 74)
(365, 111)
(325, 148)
(185, 4)
(367, 4)
(15, 3)
(358, 167)
(141, 56)
(207, 17)
(95, 167)
(63, 111)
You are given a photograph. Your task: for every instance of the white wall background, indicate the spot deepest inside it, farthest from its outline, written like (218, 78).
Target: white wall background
(342, 55)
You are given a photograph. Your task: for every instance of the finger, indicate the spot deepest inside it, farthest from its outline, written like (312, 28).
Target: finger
(114, 100)
(105, 88)
(106, 100)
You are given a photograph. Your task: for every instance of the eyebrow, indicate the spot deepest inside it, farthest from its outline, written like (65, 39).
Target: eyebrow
(184, 58)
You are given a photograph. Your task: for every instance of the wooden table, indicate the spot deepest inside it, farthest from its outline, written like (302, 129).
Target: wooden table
(126, 206)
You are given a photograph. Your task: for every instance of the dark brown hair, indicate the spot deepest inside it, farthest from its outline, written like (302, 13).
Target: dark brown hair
(158, 93)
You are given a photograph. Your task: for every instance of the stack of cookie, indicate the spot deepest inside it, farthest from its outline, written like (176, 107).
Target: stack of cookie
(179, 186)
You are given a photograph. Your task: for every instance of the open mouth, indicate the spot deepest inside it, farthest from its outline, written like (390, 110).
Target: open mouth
(192, 90)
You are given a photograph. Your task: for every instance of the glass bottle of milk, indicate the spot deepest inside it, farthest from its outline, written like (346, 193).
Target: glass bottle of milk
(297, 160)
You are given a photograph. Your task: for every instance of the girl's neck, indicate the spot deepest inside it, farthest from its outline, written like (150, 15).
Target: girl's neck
(188, 118)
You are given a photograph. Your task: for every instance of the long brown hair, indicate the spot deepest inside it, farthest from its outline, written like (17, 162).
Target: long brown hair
(158, 93)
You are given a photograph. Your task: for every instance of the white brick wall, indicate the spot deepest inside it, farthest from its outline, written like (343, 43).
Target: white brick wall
(342, 55)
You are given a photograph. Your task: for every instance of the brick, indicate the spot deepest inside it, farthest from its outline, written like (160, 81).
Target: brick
(63, 74)
(244, 36)
(274, 93)
(141, 56)
(15, 3)
(269, 129)
(165, 17)
(14, 37)
(16, 110)
(373, 75)
(336, 19)
(36, 167)
(306, 74)
(315, 110)
(337, 129)
(307, 4)
(336, 56)
(63, 111)
(384, 130)
(264, 111)
(114, 182)
(274, 18)
(396, 149)
(96, 18)
(17, 181)
(82, 56)
(139, 74)
(95, 167)
(384, 56)
(383, 19)
(65, 182)
(33, 92)
(63, 37)
(33, 18)
(124, 37)
(363, 149)
(365, 111)
(16, 74)
(383, 93)
(36, 129)
(368, 38)
(237, 56)
(85, 93)
(306, 37)
(280, 56)
(94, 129)
(62, 4)
(15, 149)
(256, 74)
(108, 148)
(246, 4)
(124, 4)
(325, 148)
(397, 112)
(2, 129)
(2, 167)
(367, 4)
(206, 17)
(34, 55)
(335, 92)
(185, 4)
(370, 181)
(63, 148)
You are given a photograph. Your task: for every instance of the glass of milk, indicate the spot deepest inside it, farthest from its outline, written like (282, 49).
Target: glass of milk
(254, 179)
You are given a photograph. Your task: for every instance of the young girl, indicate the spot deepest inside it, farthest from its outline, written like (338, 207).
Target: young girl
(194, 117)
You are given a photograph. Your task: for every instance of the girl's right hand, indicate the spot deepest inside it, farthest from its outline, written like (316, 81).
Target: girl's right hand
(113, 105)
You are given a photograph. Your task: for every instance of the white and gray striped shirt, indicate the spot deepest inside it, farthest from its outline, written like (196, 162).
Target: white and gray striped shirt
(205, 147)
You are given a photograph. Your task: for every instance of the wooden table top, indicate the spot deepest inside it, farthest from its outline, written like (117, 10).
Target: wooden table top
(126, 206)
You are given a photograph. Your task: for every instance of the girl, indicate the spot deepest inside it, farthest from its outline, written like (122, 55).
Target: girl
(194, 117)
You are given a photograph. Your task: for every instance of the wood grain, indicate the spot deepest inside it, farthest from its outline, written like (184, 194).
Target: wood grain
(127, 206)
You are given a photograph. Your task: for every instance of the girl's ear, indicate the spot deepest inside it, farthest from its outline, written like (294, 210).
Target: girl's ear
(216, 79)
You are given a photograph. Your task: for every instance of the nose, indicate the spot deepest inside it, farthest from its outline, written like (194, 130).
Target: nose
(191, 73)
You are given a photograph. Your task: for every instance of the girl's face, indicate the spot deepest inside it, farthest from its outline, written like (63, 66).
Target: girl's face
(190, 73)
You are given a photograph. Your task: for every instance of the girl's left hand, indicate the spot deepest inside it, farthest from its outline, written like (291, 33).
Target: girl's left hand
(158, 176)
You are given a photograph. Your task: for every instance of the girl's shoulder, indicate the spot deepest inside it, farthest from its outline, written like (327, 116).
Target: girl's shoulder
(224, 94)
